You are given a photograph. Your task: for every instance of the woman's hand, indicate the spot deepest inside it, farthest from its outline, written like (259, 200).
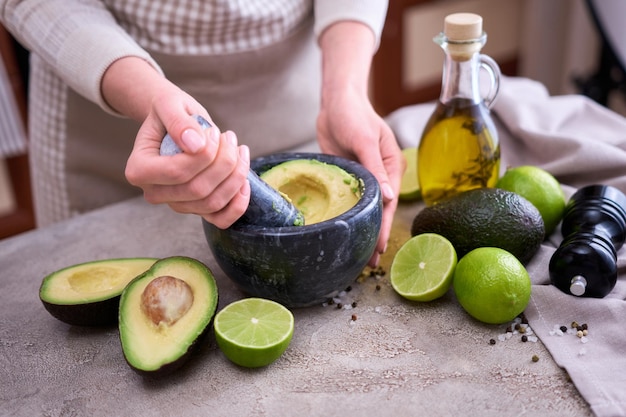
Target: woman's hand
(348, 124)
(209, 178)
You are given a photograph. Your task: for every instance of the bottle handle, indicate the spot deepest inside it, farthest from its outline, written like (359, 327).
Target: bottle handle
(492, 68)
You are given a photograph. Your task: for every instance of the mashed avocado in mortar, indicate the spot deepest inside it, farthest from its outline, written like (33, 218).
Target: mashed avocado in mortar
(319, 190)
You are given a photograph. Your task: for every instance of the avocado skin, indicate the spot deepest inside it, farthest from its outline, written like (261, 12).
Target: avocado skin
(100, 313)
(485, 217)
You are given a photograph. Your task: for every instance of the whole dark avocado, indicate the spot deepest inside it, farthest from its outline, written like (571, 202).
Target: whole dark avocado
(164, 312)
(485, 217)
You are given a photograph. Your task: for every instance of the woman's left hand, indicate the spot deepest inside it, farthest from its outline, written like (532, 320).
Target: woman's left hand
(348, 125)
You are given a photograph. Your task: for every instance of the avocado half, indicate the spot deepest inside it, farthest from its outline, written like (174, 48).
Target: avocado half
(88, 294)
(164, 312)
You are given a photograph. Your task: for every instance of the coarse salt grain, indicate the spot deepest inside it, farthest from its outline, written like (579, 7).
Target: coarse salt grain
(532, 339)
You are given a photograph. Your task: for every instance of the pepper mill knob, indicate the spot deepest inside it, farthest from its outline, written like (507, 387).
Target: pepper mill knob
(578, 285)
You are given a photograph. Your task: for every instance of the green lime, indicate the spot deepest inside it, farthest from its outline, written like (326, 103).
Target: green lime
(409, 186)
(253, 332)
(492, 285)
(423, 267)
(540, 188)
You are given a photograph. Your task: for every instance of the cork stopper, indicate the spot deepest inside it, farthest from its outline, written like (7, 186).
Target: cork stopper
(464, 35)
(463, 26)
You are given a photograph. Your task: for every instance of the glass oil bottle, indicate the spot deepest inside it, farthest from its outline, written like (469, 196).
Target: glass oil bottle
(459, 149)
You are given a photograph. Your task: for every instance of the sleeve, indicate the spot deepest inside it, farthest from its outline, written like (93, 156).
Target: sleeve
(370, 12)
(78, 39)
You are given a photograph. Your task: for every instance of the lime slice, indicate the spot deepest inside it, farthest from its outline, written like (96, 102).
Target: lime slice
(253, 332)
(409, 186)
(423, 267)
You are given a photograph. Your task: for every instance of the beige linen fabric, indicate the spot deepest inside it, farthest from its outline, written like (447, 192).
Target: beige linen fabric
(581, 143)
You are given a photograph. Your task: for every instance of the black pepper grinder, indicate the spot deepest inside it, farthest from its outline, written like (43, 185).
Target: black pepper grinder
(594, 229)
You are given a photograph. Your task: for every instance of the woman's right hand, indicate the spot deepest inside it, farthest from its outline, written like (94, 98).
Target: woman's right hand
(209, 178)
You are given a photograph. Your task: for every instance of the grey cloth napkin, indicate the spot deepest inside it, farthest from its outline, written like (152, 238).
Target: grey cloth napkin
(580, 143)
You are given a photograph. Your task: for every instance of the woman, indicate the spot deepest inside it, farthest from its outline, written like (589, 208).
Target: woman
(105, 72)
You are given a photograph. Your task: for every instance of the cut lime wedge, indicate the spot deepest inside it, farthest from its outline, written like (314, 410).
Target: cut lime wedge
(253, 332)
(423, 267)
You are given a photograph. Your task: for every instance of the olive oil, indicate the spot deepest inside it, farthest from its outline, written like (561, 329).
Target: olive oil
(458, 150)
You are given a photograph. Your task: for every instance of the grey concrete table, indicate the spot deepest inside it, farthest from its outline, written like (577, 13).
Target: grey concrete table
(397, 358)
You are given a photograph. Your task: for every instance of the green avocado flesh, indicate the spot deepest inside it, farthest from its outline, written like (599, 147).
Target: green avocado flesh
(485, 217)
(320, 191)
(151, 346)
(88, 294)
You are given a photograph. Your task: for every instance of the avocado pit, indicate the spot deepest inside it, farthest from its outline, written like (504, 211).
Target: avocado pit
(166, 299)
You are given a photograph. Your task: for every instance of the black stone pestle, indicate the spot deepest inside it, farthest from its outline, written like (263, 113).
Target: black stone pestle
(267, 206)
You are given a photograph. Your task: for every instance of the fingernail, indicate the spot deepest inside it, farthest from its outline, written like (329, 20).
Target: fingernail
(244, 153)
(193, 140)
(214, 134)
(245, 190)
(374, 260)
(232, 138)
(388, 193)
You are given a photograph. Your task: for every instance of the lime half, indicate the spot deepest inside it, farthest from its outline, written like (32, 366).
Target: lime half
(423, 267)
(409, 186)
(253, 332)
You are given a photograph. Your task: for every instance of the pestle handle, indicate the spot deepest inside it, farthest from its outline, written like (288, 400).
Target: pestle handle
(267, 206)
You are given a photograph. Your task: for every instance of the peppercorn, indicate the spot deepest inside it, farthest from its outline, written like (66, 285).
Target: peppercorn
(579, 333)
(574, 325)
(563, 329)
(524, 338)
(492, 341)
(585, 332)
(535, 358)
(354, 304)
(377, 287)
(584, 326)
(354, 317)
(339, 306)
(349, 288)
